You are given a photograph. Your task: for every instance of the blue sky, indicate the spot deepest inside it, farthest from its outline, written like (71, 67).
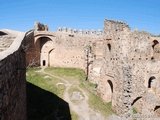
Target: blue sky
(80, 14)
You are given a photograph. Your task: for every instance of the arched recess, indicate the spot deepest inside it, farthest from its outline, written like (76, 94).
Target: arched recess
(109, 91)
(111, 85)
(150, 81)
(135, 100)
(36, 37)
(49, 57)
(155, 42)
(45, 45)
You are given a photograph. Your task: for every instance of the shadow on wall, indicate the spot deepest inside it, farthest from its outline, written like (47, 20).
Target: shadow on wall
(44, 105)
(2, 33)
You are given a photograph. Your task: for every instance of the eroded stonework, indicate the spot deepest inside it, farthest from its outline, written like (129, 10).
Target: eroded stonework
(125, 64)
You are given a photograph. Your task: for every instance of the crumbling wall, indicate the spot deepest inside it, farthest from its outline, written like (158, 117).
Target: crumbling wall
(13, 81)
(124, 49)
(40, 27)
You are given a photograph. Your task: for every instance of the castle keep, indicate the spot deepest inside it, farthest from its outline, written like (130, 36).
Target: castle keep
(125, 64)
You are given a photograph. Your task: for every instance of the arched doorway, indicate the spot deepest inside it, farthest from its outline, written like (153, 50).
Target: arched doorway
(45, 47)
(109, 91)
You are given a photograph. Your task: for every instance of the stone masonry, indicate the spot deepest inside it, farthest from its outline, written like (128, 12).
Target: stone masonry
(13, 81)
(125, 64)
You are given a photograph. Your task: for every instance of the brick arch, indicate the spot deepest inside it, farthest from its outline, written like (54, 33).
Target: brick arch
(36, 37)
(45, 45)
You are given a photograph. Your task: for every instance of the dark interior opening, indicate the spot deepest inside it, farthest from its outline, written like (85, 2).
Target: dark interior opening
(44, 62)
(109, 47)
(152, 58)
(2, 33)
(155, 42)
(111, 85)
(150, 80)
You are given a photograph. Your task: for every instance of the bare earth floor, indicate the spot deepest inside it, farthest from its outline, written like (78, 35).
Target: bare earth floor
(81, 108)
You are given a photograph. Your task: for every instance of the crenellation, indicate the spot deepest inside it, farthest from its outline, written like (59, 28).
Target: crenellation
(75, 31)
(92, 32)
(80, 32)
(69, 30)
(59, 29)
(124, 64)
(64, 29)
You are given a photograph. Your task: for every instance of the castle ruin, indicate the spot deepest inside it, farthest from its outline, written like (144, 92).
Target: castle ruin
(125, 64)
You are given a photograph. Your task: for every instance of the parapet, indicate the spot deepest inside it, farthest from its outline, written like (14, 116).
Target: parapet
(40, 27)
(80, 32)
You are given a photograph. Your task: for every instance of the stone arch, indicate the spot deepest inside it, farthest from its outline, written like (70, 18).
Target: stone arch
(135, 100)
(150, 81)
(36, 37)
(45, 46)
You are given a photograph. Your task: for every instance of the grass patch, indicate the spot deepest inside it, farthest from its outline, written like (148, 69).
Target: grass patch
(49, 84)
(74, 115)
(67, 73)
(134, 111)
(97, 103)
(44, 97)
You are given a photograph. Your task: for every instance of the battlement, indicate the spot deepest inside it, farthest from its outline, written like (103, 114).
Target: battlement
(80, 32)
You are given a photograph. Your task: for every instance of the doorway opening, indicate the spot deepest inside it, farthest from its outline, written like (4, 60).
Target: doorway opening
(44, 63)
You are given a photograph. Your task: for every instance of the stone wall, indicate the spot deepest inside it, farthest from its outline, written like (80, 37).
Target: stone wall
(13, 81)
(130, 63)
(122, 62)
(58, 49)
(32, 50)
